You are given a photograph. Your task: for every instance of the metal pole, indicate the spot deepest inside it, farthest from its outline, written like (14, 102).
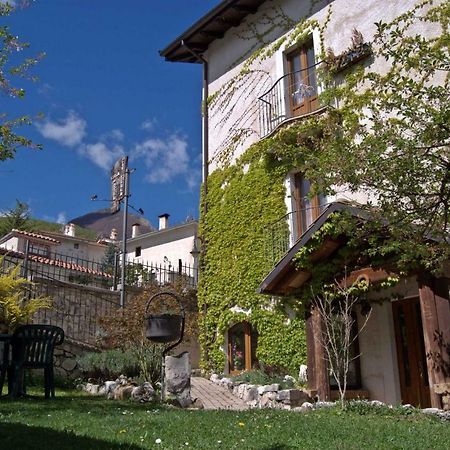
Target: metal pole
(124, 238)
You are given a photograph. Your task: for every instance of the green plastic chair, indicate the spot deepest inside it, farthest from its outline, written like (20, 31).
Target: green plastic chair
(32, 348)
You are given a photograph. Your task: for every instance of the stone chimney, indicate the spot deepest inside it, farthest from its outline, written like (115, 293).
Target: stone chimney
(135, 231)
(163, 221)
(113, 235)
(69, 230)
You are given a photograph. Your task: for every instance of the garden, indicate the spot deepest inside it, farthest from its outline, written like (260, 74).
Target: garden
(74, 420)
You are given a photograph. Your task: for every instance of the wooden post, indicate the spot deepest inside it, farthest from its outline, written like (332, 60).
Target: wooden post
(435, 310)
(311, 353)
(321, 376)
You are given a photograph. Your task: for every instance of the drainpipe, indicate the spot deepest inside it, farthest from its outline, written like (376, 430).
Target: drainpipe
(205, 146)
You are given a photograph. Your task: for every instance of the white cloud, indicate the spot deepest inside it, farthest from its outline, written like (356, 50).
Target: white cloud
(62, 218)
(148, 124)
(164, 159)
(101, 154)
(68, 132)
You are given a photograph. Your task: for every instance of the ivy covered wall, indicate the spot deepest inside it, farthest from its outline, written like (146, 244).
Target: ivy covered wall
(243, 199)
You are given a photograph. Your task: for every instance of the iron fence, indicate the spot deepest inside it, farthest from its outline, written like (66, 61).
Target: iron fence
(101, 274)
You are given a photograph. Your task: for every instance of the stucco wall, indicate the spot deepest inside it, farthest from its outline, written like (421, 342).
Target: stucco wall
(225, 60)
(173, 244)
(379, 370)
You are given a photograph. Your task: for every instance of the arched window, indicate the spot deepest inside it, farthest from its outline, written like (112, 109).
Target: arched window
(242, 342)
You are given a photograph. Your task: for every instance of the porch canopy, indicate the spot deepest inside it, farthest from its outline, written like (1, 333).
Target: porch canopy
(285, 278)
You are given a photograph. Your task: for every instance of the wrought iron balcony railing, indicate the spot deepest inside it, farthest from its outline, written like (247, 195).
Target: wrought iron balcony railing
(292, 95)
(278, 238)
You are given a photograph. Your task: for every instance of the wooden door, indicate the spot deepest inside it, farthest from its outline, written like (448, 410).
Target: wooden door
(411, 356)
(241, 348)
(302, 81)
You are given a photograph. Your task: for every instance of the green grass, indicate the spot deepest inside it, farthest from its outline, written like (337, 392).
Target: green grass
(75, 421)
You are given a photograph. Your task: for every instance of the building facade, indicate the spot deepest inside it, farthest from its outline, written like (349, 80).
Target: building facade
(261, 99)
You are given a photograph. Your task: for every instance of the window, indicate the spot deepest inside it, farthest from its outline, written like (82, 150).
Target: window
(307, 209)
(37, 249)
(137, 251)
(76, 246)
(302, 82)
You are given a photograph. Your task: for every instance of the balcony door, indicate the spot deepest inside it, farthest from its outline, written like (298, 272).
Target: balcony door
(307, 209)
(302, 80)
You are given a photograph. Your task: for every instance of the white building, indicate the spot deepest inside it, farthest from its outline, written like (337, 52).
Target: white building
(259, 61)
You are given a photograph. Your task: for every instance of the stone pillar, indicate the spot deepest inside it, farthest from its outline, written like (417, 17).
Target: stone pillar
(435, 311)
(177, 380)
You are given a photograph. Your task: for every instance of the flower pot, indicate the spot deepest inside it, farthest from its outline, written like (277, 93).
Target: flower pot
(162, 328)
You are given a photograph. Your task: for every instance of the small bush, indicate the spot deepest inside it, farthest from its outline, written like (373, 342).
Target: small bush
(109, 364)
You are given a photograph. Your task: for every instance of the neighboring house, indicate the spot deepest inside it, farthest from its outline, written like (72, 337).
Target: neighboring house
(171, 250)
(46, 243)
(259, 78)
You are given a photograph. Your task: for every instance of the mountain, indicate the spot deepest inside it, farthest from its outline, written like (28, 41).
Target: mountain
(103, 221)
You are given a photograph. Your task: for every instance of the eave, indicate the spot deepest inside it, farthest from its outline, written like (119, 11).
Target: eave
(212, 26)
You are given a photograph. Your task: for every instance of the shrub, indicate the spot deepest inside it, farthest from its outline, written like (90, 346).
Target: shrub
(124, 330)
(16, 307)
(108, 364)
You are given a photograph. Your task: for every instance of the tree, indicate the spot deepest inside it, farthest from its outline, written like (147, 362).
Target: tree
(16, 218)
(390, 135)
(10, 69)
(336, 306)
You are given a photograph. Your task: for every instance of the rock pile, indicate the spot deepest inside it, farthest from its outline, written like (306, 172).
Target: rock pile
(121, 389)
(266, 396)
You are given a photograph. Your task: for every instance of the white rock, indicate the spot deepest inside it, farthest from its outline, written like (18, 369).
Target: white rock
(434, 411)
(319, 405)
(307, 405)
(289, 379)
(303, 374)
(377, 403)
(268, 388)
(251, 394)
(110, 386)
(214, 378)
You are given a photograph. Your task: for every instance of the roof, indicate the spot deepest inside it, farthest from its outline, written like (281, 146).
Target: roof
(285, 278)
(212, 26)
(54, 262)
(73, 238)
(32, 236)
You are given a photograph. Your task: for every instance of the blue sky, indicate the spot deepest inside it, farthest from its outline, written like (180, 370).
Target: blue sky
(105, 92)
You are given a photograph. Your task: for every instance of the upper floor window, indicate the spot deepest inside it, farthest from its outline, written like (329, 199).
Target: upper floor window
(302, 81)
(137, 251)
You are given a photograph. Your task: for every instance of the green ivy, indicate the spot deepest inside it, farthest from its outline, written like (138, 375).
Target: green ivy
(242, 200)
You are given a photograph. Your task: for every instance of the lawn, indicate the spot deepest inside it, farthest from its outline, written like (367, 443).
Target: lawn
(75, 421)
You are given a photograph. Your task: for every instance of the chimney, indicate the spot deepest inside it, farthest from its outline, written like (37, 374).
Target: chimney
(113, 235)
(69, 230)
(163, 221)
(135, 230)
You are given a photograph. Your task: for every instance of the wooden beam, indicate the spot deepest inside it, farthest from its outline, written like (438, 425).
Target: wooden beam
(435, 310)
(247, 9)
(310, 351)
(321, 367)
(213, 34)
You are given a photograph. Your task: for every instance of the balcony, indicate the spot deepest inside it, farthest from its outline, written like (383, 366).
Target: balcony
(293, 96)
(278, 239)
